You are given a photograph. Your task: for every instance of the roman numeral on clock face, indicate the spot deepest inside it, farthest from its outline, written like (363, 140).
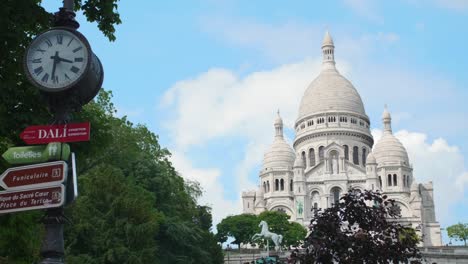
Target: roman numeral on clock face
(49, 43)
(59, 39)
(78, 59)
(38, 70)
(45, 78)
(74, 69)
(37, 60)
(77, 49)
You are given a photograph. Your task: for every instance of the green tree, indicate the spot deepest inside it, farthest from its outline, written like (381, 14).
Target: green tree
(112, 220)
(458, 232)
(357, 230)
(240, 227)
(278, 222)
(294, 235)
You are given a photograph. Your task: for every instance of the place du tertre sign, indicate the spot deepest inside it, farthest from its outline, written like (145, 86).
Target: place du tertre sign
(24, 200)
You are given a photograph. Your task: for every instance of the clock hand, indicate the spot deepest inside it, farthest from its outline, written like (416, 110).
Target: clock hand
(56, 60)
(65, 60)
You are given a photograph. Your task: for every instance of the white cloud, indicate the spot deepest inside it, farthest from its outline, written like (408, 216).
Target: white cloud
(219, 103)
(213, 190)
(439, 162)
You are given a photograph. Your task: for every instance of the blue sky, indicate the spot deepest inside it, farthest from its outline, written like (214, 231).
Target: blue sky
(209, 76)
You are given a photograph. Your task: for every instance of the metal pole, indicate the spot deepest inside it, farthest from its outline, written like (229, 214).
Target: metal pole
(68, 4)
(52, 250)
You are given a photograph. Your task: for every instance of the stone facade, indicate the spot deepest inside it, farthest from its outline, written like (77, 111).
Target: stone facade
(333, 151)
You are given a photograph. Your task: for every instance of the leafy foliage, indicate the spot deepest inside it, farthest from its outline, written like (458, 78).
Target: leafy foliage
(458, 232)
(241, 227)
(358, 230)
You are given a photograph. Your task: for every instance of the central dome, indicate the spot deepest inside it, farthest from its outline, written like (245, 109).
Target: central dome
(330, 91)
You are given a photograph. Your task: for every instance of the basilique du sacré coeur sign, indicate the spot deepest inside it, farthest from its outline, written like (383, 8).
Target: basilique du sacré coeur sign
(72, 132)
(39, 198)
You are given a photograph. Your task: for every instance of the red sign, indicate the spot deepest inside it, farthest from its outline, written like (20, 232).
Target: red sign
(41, 198)
(37, 175)
(33, 135)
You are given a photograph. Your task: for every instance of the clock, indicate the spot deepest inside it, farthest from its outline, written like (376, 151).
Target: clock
(58, 59)
(61, 64)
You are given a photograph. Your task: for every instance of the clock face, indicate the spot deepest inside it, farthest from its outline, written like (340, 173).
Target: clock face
(57, 59)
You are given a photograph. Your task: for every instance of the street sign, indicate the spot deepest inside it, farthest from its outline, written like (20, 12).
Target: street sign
(32, 199)
(37, 175)
(37, 154)
(74, 132)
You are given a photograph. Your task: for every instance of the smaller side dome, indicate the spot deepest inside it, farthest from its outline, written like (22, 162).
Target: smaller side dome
(371, 159)
(389, 149)
(280, 153)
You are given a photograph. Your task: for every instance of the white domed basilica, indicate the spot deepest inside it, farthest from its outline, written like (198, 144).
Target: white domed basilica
(333, 151)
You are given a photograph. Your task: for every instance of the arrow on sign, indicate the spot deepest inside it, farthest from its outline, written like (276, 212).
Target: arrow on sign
(56, 133)
(38, 175)
(37, 154)
(32, 199)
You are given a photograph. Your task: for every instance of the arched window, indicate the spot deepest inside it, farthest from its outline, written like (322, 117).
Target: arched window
(248, 205)
(315, 199)
(312, 157)
(364, 152)
(380, 181)
(395, 182)
(276, 185)
(268, 186)
(282, 184)
(335, 192)
(389, 180)
(291, 185)
(304, 158)
(408, 180)
(264, 187)
(346, 152)
(404, 180)
(321, 154)
(356, 155)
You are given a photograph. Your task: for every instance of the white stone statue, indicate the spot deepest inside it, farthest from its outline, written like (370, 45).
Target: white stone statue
(265, 233)
(335, 165)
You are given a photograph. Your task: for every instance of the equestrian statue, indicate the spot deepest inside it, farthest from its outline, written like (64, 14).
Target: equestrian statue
(266, 234)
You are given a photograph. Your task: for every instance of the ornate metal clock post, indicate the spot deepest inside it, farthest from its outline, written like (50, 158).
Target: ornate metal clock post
(61, 64)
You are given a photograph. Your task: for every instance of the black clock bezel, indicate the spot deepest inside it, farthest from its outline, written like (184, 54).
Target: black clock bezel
(78, 35)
